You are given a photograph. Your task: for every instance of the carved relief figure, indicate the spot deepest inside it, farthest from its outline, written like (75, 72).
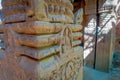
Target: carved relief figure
(78, 16)
(66, 40)
(60, 11)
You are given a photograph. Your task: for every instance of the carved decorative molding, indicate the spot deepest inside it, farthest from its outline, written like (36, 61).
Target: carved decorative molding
(40, 41)
(40, 10)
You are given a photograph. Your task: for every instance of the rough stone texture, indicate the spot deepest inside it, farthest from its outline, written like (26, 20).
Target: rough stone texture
(43, 56)
(40, 10)
(39, 44)
(116, 60)
(115, 70)
(115, 74)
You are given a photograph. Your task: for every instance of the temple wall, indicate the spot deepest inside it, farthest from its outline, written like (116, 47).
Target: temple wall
(106, 33)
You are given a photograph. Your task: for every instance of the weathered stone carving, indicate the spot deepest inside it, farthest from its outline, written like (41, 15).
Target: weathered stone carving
(40, 10)
(78, 16)
(66, 40)
(39, 45)
(22, 10)
(60, 11)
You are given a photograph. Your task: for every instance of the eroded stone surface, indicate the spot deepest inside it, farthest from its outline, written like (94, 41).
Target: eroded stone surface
(43, 10)
(35, 48)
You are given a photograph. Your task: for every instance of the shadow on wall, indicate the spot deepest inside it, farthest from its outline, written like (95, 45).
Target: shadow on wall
(104, 40)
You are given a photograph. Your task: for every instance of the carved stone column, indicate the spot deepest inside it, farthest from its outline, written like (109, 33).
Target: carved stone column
(42, 41)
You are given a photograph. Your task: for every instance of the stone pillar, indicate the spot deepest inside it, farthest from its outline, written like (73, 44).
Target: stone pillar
(42, 40)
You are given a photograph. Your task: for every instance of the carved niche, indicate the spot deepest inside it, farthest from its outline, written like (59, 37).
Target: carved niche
(41, 40)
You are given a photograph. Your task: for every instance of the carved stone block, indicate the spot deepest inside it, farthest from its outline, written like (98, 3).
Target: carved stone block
(45, 50)
(23, 10)
(40, 42)
(39, 10)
